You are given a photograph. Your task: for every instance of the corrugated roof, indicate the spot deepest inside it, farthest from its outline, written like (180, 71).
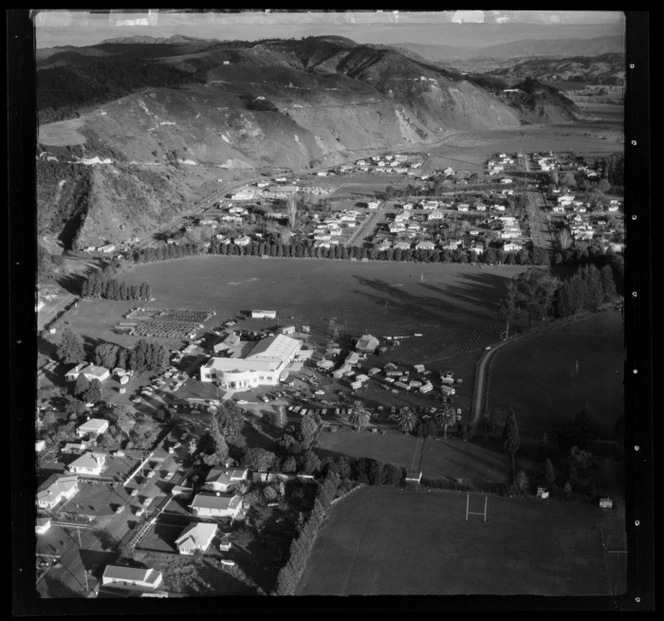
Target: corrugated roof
(134, 574)
(199, 533)
(274, 348)
(208, 501)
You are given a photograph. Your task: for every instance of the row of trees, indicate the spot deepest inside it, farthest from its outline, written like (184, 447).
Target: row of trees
(305, 249)
(303, 543)
(100, 285)
(587, 289)
(336, 471)
(145, 356)
(535, 295)
(163, 253)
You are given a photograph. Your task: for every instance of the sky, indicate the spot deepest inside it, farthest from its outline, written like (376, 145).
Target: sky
(79, 28)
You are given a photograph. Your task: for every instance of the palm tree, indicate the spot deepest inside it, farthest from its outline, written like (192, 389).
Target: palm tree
(359, 417)
(407, 420)
(445, 418)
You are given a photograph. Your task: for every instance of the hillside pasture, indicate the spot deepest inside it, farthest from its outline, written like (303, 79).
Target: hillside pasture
(383, 541)
(62, 133)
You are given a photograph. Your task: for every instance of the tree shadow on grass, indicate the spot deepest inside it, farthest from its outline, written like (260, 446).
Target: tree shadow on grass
(443, 307)
(55, 588)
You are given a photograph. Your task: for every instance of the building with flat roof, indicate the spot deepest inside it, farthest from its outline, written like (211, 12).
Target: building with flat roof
(92, 427)
(266, 361)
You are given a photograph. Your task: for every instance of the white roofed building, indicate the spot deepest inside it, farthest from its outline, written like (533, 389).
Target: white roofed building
(197, 536)
(261, 367)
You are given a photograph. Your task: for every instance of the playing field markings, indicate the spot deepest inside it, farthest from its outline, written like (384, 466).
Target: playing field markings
(619, 552)
(482, 513)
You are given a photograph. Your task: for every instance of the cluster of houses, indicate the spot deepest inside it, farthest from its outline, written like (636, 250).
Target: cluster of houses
(391, 164)
(501, 163)
(585, 224)
(330, 230)
(279, 188)
(409, 228)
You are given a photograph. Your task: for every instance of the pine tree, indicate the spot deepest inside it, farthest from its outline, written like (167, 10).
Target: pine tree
(594, 290)
(549, 473)
(70, 350)
(82, 385)
(511, 441)
(94, 391)
(608, 283)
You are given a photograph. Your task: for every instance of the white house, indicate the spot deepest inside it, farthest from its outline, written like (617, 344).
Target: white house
(90, 371)
(93, 427)
(208, 505)
(263, 314)
(196, 536)
(449, 171)
(373, 204)
(425, 245)
(463, 207)
(512, 247)
(131, 577)
(436, 214)
(64, 488)
(89, 463)
(221, 479)
(42, 525)
(430, 204)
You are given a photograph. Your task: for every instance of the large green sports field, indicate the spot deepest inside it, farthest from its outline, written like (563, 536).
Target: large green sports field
(382, 541)
(452, 306)
(548, 378)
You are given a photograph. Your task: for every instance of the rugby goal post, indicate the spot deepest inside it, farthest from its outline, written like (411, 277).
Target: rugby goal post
(469, 512)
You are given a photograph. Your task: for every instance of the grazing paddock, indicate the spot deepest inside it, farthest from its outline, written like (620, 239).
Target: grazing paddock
(451, 458)
(383, 541)
(548, 378)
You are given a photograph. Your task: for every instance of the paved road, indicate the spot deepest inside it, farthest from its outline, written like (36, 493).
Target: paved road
(539, 221)
(357, 239)
(52, 309)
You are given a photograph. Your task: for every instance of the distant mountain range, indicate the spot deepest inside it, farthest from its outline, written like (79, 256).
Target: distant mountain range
(158, 111)
(518, 49)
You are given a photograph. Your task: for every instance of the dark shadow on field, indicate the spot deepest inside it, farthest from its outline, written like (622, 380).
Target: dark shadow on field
(470, 458)
(412, 305)
(55, 588)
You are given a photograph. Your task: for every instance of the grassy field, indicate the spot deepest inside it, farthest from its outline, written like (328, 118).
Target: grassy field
(438, 458)
(62, 133)
(381, 541)
(451, 305)
(470, 150)
(538, 376)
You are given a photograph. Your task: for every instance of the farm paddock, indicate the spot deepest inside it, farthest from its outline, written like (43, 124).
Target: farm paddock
(550, 377)
(382, 541)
